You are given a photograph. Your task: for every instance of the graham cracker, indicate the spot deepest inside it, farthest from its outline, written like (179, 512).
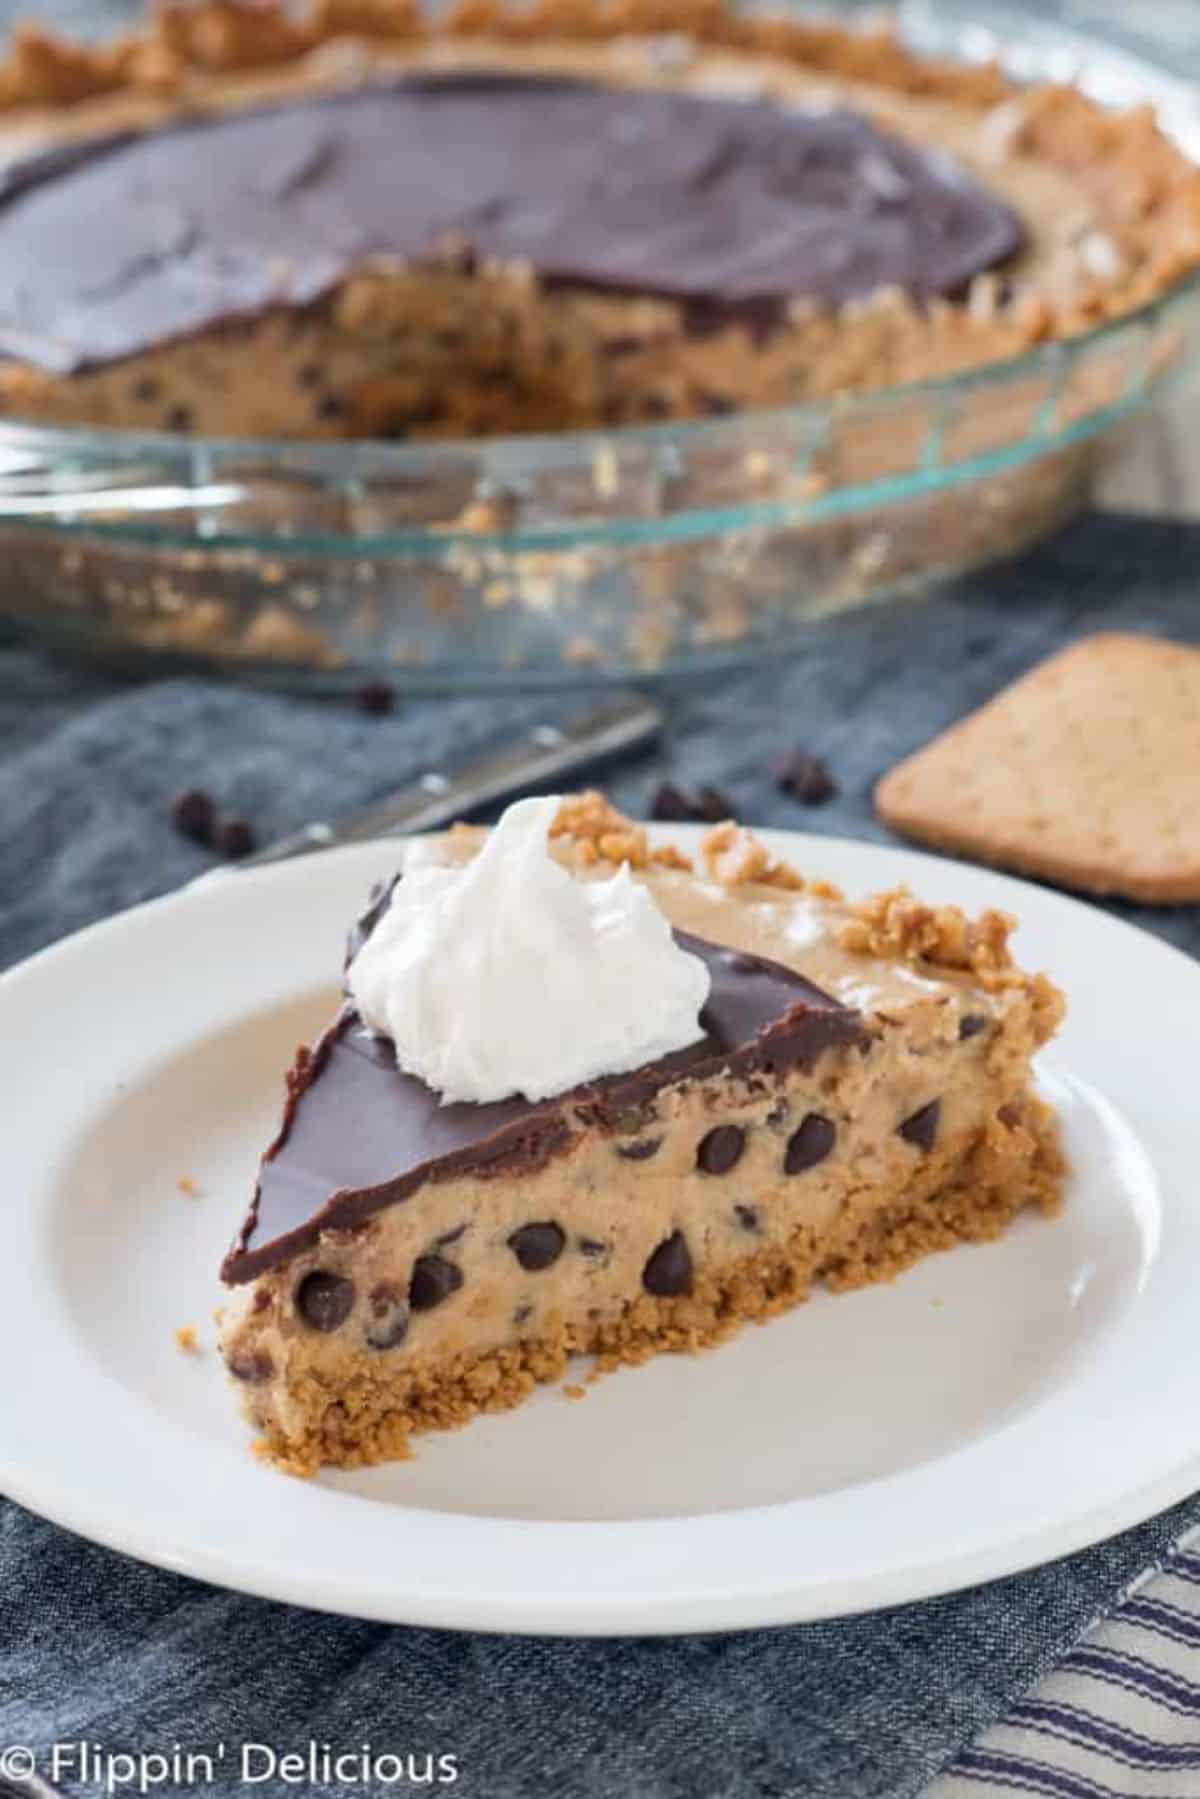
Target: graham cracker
(1086, 771)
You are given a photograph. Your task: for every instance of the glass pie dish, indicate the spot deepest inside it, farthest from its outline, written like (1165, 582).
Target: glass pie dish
(577, 556)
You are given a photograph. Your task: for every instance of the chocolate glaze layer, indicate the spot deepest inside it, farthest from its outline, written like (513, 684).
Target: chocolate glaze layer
(358, 1134)
(118, 245)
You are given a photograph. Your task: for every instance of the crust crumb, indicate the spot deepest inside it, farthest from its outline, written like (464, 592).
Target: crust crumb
(600, 833)
(187, 1186)
(186, 1340)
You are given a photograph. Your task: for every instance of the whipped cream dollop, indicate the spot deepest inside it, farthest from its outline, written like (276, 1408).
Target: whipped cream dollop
(508, 976)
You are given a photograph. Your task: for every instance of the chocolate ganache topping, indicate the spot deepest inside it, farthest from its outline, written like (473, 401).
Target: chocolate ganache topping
(359, 1134)
(117, 245)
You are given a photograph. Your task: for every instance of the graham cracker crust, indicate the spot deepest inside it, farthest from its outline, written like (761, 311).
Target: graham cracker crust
(1015, 1165)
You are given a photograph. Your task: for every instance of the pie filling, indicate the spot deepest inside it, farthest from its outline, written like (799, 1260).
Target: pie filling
(407, 1264)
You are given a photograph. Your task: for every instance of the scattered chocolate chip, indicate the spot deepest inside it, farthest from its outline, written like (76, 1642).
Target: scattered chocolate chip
(234, 838)
(747, 1217)
(324, 1301)
(921, 1129)
(376, 698)
(668, 1273)
(593, 1247)
(387, 1325)
(670, 805)
(252, 1365)
(708, 805)
(970, 1025)
(193, 813)
(537, 1246)
(433, 1280)
(721, 1149)
(806, 778)
(523, 1314)
(809, 1144)
(640, 1150)
(179, 418)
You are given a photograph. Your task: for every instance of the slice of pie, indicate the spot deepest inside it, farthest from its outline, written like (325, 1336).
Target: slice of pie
(359, 220)
(857, 1094)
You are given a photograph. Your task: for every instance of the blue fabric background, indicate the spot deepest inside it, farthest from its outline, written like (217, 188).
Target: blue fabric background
(92, 1645)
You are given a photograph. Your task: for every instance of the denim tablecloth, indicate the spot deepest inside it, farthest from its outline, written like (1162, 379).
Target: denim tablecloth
(93, 1646)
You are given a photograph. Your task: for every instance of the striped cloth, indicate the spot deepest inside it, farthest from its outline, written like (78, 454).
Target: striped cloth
(1119, 1716)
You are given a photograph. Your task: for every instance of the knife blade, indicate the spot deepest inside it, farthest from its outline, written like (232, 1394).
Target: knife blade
(550, 751)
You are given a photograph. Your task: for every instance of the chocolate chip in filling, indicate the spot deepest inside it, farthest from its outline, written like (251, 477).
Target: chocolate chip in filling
(433, 1280)
(640, 1150)
(970, 1025)
(537, 1246)
(387, 1325)
(721, 1149)
(324, 1301)
(747, 1217)
(668, 1273)
(251, 1365)
(921, 1129)
(809, 1144)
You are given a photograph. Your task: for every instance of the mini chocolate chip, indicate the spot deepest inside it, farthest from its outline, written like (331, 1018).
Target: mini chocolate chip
(670, 804)
(921, 1129)
(747, 1217)
(324, 1300)
(387, 1325)
(806, 778)
(234, 838)
(146, 389)
(537, 1246)
(252, 1365)
(668, 1273)
(641, 1150)
(809, 1144)
(721, 1149)
(523, 1314)
(193, 813)
(329, 406)
(179, 418)
(592, 1246)
(433, 1280)
(970, 1025)
(375, 698)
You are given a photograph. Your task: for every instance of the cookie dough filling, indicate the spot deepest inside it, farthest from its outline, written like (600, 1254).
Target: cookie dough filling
(845, 1089)
(443, 232)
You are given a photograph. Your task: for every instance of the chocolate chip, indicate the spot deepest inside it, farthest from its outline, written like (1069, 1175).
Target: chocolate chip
(329, 406)
(970, 1025)
(640, 1150)
(252, 1365)
(592, 1247)
(433, 1280)
(449, 1237)
(809, 1144)
(668, 1273)
(179, 418)
(234, 838)
(537, 1246)
(387, 1325)
(523, 1314)
(747, 1217)
(806, 778)
(721, 1149)
(193, 813)
(671, 805)
(714, 404)
(146, 389)
(375, 698)
(921, 1129)
(324, 1301)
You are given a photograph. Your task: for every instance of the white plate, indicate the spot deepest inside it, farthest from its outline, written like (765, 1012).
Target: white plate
(993, 1408)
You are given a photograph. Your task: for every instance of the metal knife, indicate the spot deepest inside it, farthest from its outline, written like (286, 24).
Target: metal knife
(541, 756)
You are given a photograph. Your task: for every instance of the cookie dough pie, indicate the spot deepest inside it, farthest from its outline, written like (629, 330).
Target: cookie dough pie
(241, 221)
(849, 1090)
